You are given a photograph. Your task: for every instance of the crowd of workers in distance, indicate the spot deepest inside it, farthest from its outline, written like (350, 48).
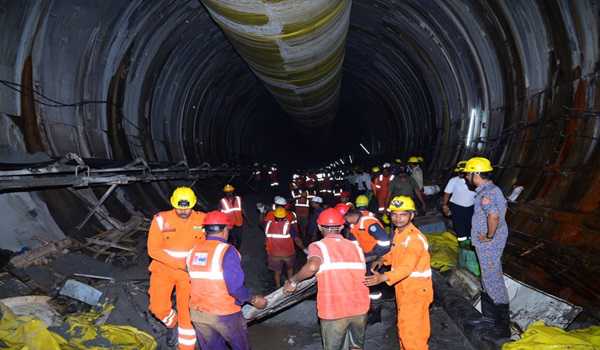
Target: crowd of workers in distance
(351, 247)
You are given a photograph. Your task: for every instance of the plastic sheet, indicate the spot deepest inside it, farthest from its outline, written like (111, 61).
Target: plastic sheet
(443, 248)
(78, 332)
(541, 337)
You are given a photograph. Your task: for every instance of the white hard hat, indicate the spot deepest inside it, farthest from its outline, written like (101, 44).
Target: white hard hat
(279, 200)
(317, 199)
(387, 165)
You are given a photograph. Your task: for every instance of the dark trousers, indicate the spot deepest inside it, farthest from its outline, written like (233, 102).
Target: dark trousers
(235, 237)
(461, 220)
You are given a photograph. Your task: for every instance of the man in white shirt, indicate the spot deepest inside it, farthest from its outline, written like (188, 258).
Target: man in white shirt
(363, 182)
(458, 202)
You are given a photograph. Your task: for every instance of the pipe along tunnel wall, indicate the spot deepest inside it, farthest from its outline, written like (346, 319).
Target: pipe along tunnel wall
(516, 81)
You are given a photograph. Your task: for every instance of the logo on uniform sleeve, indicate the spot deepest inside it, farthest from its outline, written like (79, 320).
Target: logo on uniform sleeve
(373, 228)
(198, 228)
(200, 259)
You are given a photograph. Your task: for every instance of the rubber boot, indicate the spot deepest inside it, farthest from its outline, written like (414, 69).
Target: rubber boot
(488, 320)
(172, 337)
(502, 317)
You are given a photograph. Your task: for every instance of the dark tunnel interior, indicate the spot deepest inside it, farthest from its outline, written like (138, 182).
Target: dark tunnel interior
(515, 81)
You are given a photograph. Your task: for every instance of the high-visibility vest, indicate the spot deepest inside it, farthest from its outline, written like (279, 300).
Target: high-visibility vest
(340, 288)
(337, 192)
(175, 237)
(302, 206)
(233, 209)
(279, 240)
(360, 231)
(209, 290)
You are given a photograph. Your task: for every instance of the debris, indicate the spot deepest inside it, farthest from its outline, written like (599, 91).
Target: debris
(40, 255)
(117, 243)
(94, 276)
(528, 304)
(33, 305)
(81, 291)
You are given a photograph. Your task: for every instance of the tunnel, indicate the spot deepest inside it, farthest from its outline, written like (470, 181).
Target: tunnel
(174, 83)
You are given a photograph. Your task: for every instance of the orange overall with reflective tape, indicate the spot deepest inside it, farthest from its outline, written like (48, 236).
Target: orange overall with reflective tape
(170, 240)
(411, 278)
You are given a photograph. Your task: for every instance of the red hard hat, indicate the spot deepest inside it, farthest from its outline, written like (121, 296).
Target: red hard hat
(217, 218)
(342, 208)
(331, 217)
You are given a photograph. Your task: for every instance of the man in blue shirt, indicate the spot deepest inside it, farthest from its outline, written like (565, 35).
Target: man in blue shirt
(489, 233)
(218, 291)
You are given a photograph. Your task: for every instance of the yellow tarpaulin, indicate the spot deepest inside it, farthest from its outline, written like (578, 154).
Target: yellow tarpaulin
(30, 333)
(538, 336)
(443, 248)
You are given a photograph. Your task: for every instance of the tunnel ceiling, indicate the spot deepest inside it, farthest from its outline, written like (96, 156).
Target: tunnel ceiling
(513, 80)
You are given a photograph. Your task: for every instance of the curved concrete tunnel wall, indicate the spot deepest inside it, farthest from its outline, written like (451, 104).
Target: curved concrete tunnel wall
(514, 80)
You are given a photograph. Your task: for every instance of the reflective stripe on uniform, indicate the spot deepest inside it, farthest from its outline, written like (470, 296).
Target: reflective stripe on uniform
(383, 243)
(277, 235)
(327, 265)
(462, 239)
(168, 321)
(177, 254)
(423, 274)
(160, 221)
(186, 341)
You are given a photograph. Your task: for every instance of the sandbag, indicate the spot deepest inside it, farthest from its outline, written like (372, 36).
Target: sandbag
(443, 248)
(538, 336)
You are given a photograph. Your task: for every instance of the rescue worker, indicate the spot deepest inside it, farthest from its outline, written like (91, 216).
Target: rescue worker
(362, 203)
(457, 202)
(342, 298)
(405, 185)
(489, 233)
(415, 170)
(345, 198)
(410, 275)
(171, 236)
(382, 185)
(281, 236)
(273, 176)
(397, 167)
(374, 241)
(217, 288)
(312, 230)
(302, 209)
(231, 205)
(280, 202)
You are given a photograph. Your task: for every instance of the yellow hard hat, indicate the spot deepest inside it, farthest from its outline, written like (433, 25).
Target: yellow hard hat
(413, 160)
(362, 201)
(280, 213)
(398, 161)
(228, 188)
(478, 165)
(460, 166)
(375, 169)
(402, 203)
(183, 198)
(421, 159)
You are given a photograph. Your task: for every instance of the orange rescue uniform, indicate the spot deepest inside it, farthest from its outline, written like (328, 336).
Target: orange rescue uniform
(411, 276)
(360, 231)
(170, 239)
(381, 189)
